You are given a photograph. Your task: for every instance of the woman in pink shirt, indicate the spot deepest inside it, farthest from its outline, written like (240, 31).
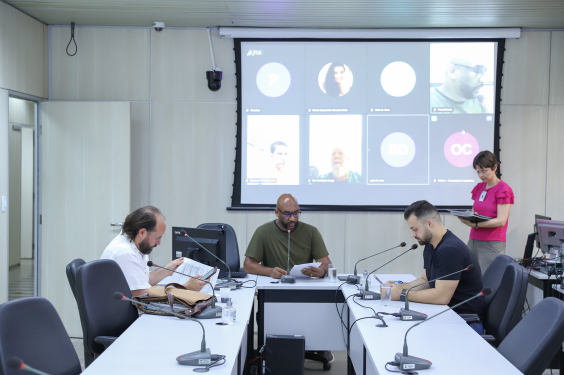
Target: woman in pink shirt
(492, 197)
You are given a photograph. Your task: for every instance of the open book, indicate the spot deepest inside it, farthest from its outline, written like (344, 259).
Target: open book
(470, 216)
(192, 268)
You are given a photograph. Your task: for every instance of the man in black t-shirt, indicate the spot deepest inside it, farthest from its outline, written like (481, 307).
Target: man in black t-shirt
(444, 253)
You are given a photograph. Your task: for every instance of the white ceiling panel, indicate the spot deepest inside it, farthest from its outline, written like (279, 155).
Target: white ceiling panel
(547, 14)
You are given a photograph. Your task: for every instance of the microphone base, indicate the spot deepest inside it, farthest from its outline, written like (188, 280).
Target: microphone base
(288, 279)
(411, 363)
(209, 313)
(369, 295)
(197, 358)
(411, 315)
(233, 284)
(353, 280)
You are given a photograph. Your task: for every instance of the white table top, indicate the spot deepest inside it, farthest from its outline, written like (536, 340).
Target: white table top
(558, 288)
(152, 343)
(266, 282)
(447, 341)
(541, 276)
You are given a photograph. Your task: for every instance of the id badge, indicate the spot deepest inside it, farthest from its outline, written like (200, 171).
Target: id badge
(483, 196)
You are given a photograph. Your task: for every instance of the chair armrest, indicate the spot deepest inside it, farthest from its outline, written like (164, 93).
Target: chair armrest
(106, 341)
(470, 318)
(489, 338)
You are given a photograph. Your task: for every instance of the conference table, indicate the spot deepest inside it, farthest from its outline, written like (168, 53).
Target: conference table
(152, 343)
(447, 340)
(309, 308)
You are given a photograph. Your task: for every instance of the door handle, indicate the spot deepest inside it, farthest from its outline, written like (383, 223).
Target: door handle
(116, 224)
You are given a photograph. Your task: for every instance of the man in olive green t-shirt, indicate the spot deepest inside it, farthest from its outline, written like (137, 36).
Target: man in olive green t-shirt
(269, 244)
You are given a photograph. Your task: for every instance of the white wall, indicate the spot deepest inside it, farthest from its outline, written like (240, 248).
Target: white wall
(23, 68)
(4, 193)
(183, 136)
(23, 52)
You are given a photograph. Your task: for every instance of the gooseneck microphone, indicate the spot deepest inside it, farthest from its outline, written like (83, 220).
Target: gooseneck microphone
(197, 358)
(367, 294)
(16, 363)
(287, 278)
(354, 279)
(210, 312)
(406, 314)
(407, 362)
(232, 284)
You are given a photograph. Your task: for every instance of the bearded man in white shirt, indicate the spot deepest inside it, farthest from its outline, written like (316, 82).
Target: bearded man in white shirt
(142, 231)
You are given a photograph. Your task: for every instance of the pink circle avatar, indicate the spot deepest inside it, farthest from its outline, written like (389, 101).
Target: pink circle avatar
(461, 148)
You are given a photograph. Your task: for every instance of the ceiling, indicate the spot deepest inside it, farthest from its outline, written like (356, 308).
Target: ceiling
(530, 14)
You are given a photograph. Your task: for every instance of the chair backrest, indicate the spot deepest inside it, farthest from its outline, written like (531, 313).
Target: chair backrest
(493, 275)
(231, 246)
(31, 330)
(72, 269)
(532, 344)
(97, 281)
(506, 308)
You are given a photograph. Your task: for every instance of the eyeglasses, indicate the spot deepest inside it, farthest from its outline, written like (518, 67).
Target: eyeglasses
(479, 69)
(155, 237)
(482, 172)
(288, 215)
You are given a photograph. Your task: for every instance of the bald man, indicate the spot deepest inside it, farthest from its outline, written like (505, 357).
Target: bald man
(269, 244)
(340, 171)
(459, 92)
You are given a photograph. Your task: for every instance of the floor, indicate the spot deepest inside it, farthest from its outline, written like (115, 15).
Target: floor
(21, 280)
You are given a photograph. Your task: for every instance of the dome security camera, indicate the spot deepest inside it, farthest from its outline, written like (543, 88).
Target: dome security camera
(214, 79)
(158, 25)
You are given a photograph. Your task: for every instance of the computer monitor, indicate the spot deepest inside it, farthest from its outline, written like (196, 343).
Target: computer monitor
(539, 217)
(551, 232)
(213, 240)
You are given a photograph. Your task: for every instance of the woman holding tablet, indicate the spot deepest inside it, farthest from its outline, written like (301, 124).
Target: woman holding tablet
(492, 197)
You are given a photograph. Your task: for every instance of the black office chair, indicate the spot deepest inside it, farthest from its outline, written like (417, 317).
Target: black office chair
(532, 344)
(491, 279)
(493, 275)
(104, 317)
(31, 330)
(506, 308)
(231, 246)
(72, 269)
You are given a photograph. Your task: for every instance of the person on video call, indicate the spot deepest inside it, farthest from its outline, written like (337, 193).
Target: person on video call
(336, 83)
(279, 155)
(340, 171)
(460, 91)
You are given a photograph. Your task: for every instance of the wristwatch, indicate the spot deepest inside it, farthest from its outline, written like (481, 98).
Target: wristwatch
(402, 295)
(476, 224)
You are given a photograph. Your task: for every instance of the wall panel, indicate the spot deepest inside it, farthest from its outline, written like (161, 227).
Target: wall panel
(523, 157)
(111, 64)
(22, 57)
(86, 187)
(525, 79)
(4, 193)
(180, 60)
(140, 154)
(555, 157)
(557, 68)
(192, 167)
(369, 233)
